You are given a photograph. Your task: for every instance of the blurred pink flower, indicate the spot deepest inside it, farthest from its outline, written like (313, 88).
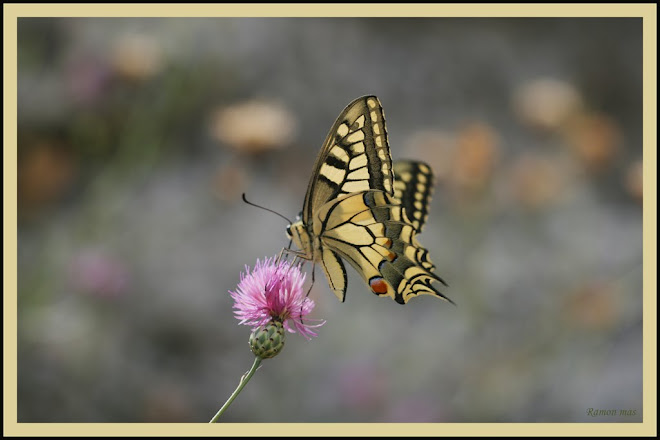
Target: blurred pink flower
(362, 385)
(415, 409)
(88, 78)
(98, 273)
(273, 291)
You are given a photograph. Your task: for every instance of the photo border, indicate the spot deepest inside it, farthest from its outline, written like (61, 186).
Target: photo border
(646, 11)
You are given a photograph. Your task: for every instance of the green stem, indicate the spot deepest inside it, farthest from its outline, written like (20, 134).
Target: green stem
(244, 380)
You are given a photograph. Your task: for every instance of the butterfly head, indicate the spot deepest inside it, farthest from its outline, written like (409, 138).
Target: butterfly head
(297, 232)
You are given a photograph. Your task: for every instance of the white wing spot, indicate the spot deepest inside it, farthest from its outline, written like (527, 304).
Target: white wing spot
(357, 148)
(396, 215)
(358, 162)
(362, 174)
(340, 154)
(350, 187)
(333, 174)
(355, 137)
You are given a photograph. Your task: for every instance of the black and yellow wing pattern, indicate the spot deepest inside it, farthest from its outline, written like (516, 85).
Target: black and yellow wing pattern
(361, 208)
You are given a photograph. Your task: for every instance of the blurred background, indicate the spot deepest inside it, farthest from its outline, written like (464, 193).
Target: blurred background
(137, 137)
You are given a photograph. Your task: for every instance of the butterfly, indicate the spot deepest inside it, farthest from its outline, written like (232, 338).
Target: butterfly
(362, 208)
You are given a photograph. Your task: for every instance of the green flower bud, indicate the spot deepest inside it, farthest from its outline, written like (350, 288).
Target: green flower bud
(266, 342)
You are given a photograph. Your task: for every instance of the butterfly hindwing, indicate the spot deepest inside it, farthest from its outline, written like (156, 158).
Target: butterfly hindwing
(369, 230)
(335, 272)
(413, 187)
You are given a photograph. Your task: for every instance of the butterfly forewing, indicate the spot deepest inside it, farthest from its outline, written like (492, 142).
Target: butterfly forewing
(355, 156)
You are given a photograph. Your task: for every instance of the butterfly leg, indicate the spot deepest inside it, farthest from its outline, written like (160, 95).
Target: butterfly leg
(284, 251)
(308, 290)
(298, 258)
(296, 254)
(313, 272)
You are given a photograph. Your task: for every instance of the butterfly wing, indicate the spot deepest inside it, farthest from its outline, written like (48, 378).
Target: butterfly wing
(413, 188)
(354, 209)
(355, 157)
(370, 231)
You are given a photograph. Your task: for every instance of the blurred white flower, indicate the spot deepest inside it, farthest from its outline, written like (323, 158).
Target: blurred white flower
(254, 126)
(634, 180)
(137, 57)
(546, 103)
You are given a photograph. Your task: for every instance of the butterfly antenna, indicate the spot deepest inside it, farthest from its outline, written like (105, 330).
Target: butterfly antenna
(266, 209)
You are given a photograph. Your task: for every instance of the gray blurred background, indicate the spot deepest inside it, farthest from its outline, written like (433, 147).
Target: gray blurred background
(138, 136)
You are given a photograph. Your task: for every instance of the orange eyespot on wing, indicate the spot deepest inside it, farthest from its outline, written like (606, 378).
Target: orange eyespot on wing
(378, 285)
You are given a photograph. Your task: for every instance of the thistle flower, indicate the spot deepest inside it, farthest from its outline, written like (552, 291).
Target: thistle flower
(271, 300)
(273, 291)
